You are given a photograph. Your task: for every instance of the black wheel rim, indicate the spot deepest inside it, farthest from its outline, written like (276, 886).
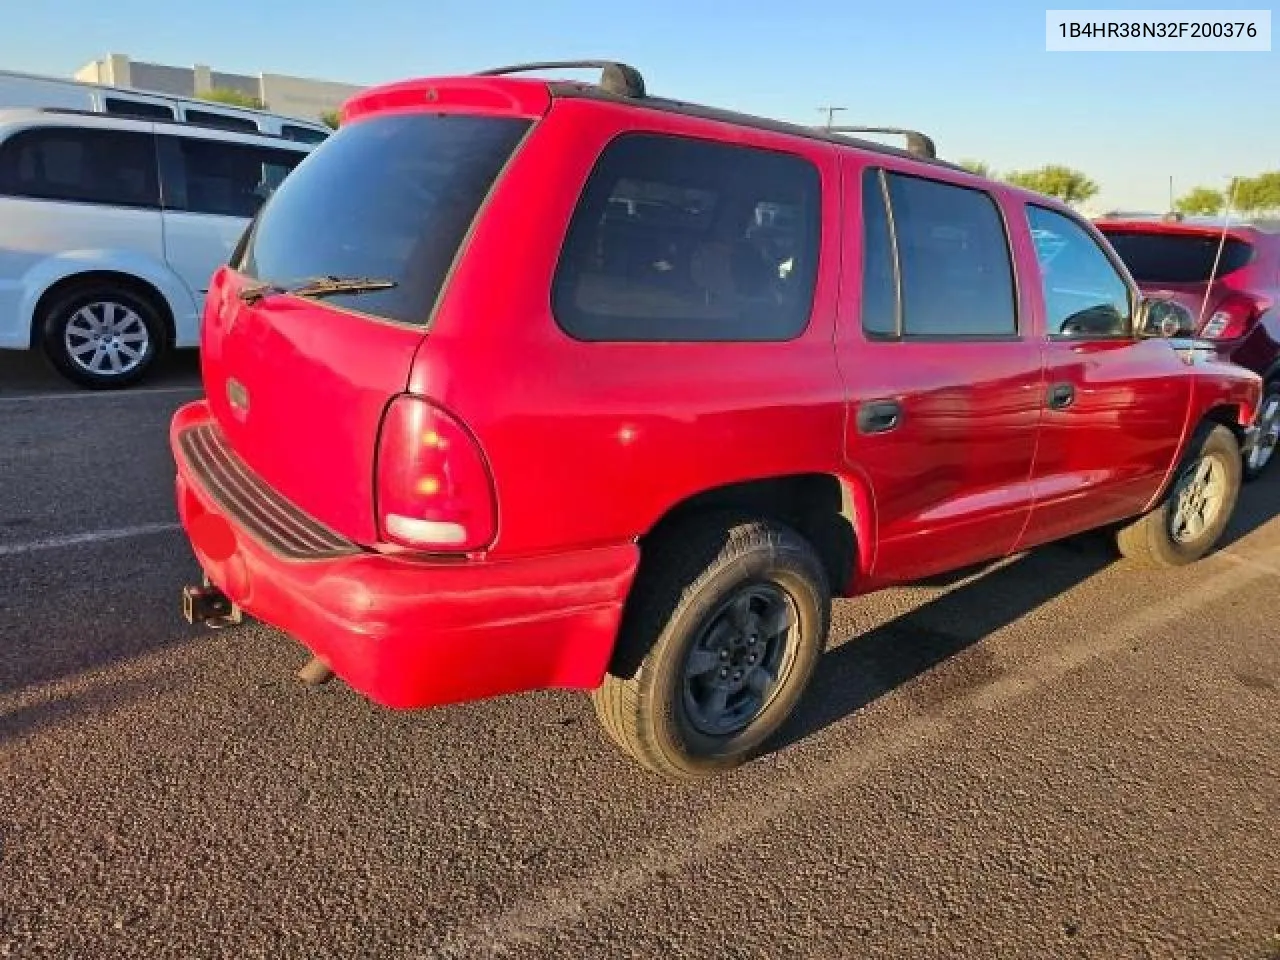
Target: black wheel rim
(740, 659)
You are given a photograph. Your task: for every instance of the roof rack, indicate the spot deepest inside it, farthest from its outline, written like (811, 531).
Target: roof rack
(619, 79)
(173, 121)
(917, 143)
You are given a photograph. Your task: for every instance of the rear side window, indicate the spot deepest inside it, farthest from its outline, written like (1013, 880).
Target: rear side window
(81, 166)
(1177, 258)
(386, 198)
(956, 277)
(228, 179)
(676, 239)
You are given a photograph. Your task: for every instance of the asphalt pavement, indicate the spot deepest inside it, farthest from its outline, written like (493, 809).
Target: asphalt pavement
(1060, 756)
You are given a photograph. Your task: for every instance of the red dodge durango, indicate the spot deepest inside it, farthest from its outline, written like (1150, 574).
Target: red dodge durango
(522, 383)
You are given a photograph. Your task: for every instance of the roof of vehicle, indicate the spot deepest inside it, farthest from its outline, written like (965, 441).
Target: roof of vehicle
(1242, 227)
(624, 84)
(108, 89)
(63, 116)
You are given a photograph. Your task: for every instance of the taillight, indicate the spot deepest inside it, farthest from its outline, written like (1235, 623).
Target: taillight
(1232, 319)
(434, 488)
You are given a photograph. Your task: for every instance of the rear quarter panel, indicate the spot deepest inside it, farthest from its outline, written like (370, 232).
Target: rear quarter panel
(590, 443)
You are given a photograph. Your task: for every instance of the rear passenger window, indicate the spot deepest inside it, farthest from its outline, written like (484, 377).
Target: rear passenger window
(228, 179)
(678, 239)
(81, 166)
(953, 259)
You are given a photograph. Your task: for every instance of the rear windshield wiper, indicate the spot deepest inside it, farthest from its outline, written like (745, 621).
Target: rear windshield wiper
(316, 287)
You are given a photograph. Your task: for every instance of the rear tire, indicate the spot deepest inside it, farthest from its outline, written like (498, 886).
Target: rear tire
(1190, 518)
(726, 623)
(102, 335)
(1261, 457)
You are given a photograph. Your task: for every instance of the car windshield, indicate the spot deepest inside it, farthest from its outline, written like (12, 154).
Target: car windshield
(388, 197)
(1177, 257)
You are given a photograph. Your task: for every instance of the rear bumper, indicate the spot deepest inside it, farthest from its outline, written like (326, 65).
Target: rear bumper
(409, 633)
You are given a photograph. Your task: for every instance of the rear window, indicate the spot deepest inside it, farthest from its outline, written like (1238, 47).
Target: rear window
(1176, 258)
(387, 198)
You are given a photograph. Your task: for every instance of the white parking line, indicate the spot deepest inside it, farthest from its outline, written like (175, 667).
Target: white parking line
(93, 536)
(99, 394)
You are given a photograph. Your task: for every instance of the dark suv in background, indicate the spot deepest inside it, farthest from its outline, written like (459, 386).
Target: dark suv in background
(1227, 273)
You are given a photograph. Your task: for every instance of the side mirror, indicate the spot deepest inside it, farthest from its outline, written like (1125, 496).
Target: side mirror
(1164, 318)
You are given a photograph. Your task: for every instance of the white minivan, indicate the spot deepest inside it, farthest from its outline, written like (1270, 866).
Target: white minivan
(110, 229)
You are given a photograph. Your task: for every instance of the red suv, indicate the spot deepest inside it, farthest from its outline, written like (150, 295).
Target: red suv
(1227, 273)
(524, 383)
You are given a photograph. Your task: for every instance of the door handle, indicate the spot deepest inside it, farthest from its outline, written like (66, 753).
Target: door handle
(1061, 395)
(879, 416)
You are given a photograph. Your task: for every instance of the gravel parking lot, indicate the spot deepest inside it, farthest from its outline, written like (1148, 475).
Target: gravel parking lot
(1059, 757)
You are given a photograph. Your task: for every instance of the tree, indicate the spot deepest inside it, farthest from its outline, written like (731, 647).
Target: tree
(979, 167)
(331, 119)
(1202, 201)
(1069, 186)
(1256, 195)
(232, 98)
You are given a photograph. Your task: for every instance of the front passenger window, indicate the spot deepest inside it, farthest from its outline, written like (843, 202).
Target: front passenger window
(1085, 296)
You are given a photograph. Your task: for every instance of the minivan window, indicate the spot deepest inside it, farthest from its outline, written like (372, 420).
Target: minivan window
(953, 260)
(390, 197)
(1085, 296)
(228, 179)
(679, 239)
(1177, 257)
(138, 108)
(81, 166)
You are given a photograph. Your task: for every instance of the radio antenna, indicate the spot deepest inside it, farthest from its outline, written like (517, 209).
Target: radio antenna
(1217, 257)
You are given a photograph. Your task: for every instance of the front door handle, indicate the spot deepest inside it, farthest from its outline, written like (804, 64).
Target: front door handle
(879, 416)
(1061, 395)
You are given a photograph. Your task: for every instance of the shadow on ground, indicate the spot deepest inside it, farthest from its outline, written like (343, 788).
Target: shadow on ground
(30, 373)
(863, 669)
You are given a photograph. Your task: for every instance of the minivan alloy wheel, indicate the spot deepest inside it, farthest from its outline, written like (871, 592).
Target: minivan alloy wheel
(106, 338)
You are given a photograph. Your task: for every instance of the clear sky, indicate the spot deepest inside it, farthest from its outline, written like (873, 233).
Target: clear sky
(974, 75)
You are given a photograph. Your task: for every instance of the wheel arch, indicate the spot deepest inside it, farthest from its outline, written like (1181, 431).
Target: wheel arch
(834, 513)
(128, 281)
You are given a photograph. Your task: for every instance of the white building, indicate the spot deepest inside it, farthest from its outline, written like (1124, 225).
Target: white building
(292, 96)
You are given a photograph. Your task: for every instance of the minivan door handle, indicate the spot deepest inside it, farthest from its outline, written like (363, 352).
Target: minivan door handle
(1061, 395)
(879, 416)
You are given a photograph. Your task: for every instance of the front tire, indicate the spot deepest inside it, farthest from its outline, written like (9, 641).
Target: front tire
(1191, 517)
(1263, 453)
(102, 335)
(725, 626)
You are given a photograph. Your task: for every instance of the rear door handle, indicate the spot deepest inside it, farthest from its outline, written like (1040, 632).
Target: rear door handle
(1061, 395)
(879, 416)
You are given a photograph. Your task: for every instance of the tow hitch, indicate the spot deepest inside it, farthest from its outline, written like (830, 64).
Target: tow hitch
(208, 606)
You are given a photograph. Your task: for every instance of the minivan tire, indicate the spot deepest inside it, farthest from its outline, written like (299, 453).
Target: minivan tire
(1268, 429)
(123, 319)
(708, 594)
(1151, 540)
